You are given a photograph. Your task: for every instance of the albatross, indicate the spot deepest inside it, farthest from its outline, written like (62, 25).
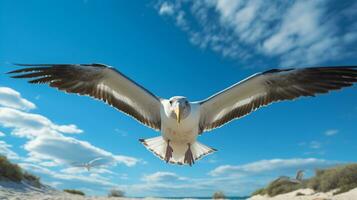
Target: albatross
(179, 120)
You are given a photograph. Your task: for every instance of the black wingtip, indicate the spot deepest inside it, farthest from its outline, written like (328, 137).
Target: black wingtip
(19, 64)
(29, 65)
(277, 70)
(13, 72)
(141, 140)
(99, 65)
(63, 64)
(24, 70)
(354, 67)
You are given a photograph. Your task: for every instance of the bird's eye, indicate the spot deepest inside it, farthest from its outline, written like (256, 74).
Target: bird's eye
(170, 102)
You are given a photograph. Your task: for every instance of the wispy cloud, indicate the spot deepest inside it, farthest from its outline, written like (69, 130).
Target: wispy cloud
(2, 134)
(5, 149)
(163, 177)
(315, 145)
(53, 183)
(121, 132)
(79, 170)
(293, 32)
(31, 125)
(166, 8)
(269, 165)
(331, 132)
(83, 178)
(66, 150)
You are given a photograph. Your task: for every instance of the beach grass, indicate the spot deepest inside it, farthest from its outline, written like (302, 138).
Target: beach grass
(76, 192)
(340, 178)
(13, 172)
(10, 171)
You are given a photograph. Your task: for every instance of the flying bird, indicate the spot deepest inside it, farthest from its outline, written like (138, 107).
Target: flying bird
(88, 165)
(299, 177)
(297, 180)
(179, 120)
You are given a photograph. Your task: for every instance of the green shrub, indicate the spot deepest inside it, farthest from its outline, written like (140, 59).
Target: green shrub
(116, 193)
(281, 187)
(343, 178)
(76, 192)
(10, 171)
(218, 195)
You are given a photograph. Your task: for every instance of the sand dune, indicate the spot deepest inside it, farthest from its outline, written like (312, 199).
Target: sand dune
(24, 191)
(309, 194)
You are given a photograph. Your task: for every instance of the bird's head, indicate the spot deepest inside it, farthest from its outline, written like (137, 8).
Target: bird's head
(180, 108)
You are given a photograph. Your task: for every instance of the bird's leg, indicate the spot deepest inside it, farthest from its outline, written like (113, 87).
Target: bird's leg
(189, 156)
(169, 151)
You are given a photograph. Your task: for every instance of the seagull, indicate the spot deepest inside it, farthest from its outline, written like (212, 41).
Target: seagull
(296, 180)
(179, 120)
(88, 165)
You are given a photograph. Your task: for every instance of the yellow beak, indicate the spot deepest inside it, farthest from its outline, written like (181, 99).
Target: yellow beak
(177, 112)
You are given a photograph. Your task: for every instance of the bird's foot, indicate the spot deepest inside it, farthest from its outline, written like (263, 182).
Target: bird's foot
(189, 156)
(169, 151)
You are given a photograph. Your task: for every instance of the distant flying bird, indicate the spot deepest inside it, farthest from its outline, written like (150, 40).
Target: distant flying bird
(179, 120)
(299, 176)
(88, 165)
(297, 179)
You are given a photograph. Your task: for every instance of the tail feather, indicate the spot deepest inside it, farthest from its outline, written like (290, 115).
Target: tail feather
(200, 150)
(157, 145)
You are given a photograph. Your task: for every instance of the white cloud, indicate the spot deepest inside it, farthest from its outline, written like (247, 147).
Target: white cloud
(94, 170)
(121, 132)
(293, 32)
(53, 184)
(49, 150)
(96, 180)
(45, 164)
(315, 145)
(66, 150)
(47, 146)
(268, 165)
(6, 151)
(163, 177)
(2, 134)
(331, 132)
(12, 99)
(32, 125)
(166, 9)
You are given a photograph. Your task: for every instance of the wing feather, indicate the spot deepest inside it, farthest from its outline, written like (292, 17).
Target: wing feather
(101, 82)
(272, 86)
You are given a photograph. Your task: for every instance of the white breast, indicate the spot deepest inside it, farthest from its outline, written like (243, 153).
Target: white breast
(184, 132)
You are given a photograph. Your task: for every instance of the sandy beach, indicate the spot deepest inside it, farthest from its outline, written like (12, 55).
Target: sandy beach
(309, 194)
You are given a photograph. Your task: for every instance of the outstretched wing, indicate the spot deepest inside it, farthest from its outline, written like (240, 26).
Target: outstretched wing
(271, 86)
(101, 82)
(76, 164)
(95, 160)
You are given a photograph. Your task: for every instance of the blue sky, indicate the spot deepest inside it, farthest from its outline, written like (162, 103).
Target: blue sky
(213, 44)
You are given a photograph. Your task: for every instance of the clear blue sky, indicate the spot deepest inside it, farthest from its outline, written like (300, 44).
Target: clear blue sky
(212, 45)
